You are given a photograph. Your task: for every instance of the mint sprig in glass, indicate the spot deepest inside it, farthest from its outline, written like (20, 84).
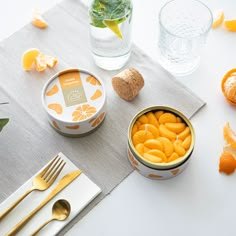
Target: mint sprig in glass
(110, 32)
(3, 121)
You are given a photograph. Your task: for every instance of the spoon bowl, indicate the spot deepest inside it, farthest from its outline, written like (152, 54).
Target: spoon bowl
(60, 211)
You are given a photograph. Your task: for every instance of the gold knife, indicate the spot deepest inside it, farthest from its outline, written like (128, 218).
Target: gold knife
(66, 180)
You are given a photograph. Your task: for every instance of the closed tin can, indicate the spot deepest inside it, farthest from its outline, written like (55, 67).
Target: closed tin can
(75, 102)
(164, 153)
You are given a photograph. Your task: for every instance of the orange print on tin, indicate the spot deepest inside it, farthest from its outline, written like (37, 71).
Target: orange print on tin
(134, 162)
(92, 80)
(155, 176)
(175, 172)
(96, 95)
(56, 107)
(98, 120)
(54, 123)
(73, 127)
(52, 91)
(83, 112)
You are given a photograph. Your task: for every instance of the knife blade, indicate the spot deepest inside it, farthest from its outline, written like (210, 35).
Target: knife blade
(65, 181)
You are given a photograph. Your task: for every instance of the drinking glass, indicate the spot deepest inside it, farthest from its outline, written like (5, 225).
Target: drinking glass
(110, 32)
(184, 26)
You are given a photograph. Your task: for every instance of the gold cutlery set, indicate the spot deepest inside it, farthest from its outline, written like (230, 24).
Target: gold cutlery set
(42, 181)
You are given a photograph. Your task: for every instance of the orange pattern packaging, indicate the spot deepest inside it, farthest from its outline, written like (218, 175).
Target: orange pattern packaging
(75, 100)
(161, 141)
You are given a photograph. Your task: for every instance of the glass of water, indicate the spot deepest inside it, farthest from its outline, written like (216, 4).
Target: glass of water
(110, 32)
(184, 26)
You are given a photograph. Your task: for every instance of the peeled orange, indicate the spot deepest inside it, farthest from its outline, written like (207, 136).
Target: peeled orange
(34, 57)
(37, 19)
(28, 58)
(218, 19)
(230, 25)
(228, 86)
(229, 136)
(227, 163)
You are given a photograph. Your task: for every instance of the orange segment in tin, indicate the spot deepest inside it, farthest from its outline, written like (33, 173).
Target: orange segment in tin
(151, 128)
(141, 136)
(134, 129)
(167, 118)
(184, 134)
(140, 148)
(143, 119)
(187, 142)
(164, 132)
(152, 158)
(83, 112)
(167, 145)
(179, 148)
(158, 114)
(158, 153)
(173, 157)
(152, 119)
(153, 144)
(175, 127)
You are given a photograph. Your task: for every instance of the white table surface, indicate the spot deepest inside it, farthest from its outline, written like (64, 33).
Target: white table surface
(200, 201)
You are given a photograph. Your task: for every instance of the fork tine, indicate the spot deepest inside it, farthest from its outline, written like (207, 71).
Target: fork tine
(49, 165)
(45, 176)
(53, 170)
(53, 178)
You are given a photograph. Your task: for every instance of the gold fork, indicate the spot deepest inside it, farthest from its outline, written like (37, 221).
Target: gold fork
(41, 182)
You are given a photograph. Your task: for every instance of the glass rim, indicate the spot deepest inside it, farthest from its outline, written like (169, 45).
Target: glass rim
(179, 36)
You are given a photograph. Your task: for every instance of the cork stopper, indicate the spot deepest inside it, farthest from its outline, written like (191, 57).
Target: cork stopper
(128, 83)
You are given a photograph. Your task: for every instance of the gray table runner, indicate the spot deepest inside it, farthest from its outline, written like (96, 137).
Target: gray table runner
(28, 142)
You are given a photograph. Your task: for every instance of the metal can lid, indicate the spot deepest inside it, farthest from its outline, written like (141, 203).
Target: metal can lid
(73, 95)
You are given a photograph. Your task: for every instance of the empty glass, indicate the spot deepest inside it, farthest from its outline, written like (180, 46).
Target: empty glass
(184, 26)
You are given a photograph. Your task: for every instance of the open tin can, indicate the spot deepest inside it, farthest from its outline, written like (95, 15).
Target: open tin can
(163, 169)
(75, 102)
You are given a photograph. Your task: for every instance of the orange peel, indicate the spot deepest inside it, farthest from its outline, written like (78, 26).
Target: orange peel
(218, 19)
(228, 86)
(43, 61)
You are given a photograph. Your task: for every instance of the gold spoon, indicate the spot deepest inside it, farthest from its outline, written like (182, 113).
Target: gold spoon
(60, 211)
